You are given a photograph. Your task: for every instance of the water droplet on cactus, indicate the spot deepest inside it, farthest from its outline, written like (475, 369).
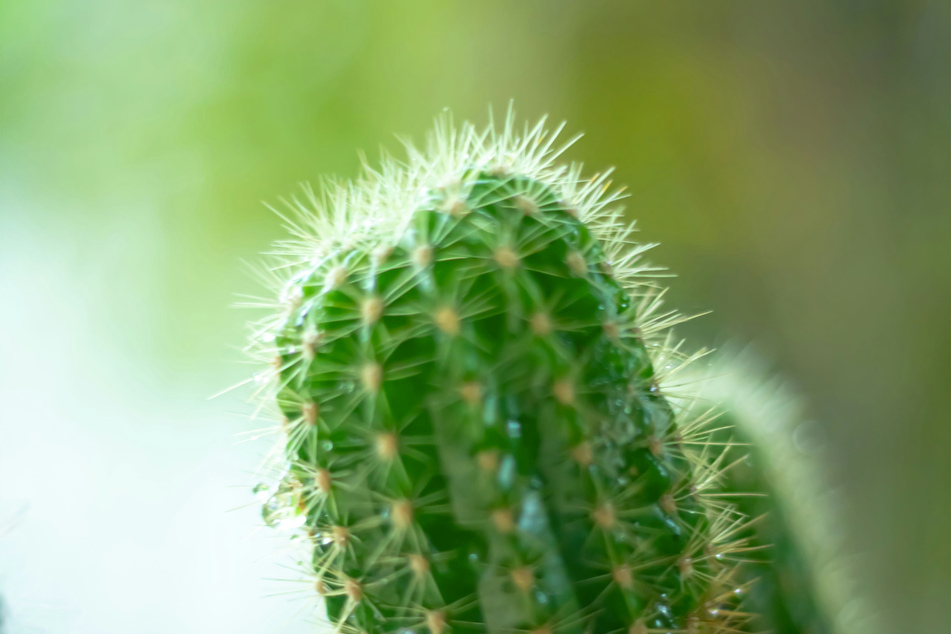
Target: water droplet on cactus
(272, 510)
(282, 510)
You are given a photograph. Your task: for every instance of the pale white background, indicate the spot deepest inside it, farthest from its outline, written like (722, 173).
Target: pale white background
(117, 473)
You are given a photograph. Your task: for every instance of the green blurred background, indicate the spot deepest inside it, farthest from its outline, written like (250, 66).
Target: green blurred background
(792, 157)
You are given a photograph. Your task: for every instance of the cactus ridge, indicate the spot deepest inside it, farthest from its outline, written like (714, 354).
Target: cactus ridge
(471, 362)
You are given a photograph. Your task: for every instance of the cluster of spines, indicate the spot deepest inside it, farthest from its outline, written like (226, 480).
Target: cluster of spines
(459, 426)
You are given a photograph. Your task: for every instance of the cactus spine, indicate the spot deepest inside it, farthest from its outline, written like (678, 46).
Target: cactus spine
(469, 359)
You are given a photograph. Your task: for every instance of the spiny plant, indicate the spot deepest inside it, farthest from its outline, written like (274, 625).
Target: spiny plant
(805, 580)
(476, 389)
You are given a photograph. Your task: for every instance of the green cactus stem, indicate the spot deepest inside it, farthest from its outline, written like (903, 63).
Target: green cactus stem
(469, 360)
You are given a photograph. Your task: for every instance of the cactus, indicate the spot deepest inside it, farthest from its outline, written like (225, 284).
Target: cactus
(473, 376)
(805, 581)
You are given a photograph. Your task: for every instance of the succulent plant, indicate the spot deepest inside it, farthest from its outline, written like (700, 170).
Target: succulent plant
(475, 383)
(806, 579)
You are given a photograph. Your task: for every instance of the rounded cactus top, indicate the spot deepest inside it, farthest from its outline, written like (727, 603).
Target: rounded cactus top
(474, 380)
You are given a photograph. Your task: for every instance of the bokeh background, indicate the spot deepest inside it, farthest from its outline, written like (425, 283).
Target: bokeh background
(792, 157)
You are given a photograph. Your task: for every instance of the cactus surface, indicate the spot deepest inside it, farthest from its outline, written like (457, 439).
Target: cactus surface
(470, 362)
